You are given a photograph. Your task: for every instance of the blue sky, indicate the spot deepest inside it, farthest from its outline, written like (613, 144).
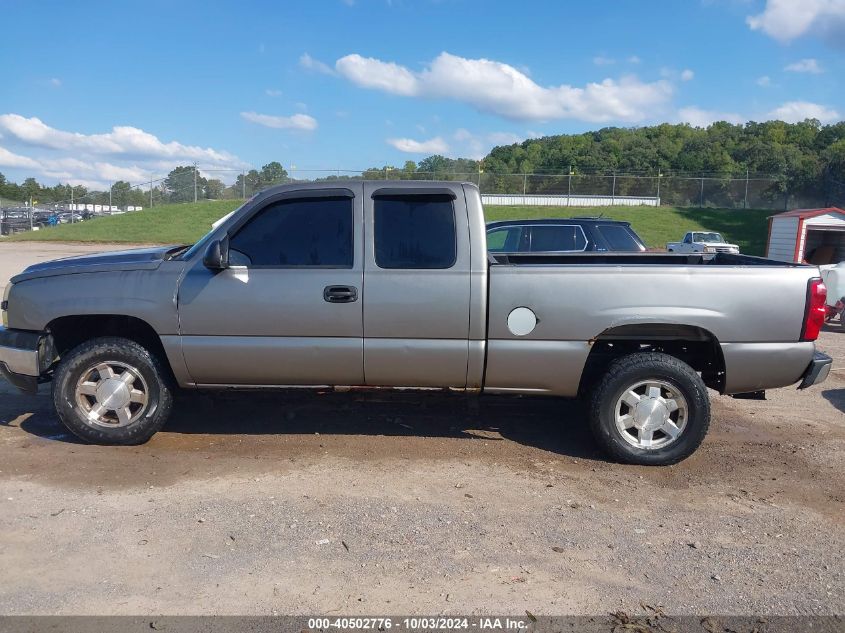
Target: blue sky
(94, 92)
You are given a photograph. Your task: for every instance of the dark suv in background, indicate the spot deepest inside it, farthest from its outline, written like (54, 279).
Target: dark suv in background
(562, 235)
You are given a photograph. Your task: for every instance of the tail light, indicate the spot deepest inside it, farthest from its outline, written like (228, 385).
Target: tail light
(814, 313)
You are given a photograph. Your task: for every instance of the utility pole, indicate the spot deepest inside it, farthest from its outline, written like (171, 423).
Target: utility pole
(243, 184)
(658, 187)
(111, 186)
(524, 183)
(151, 191)
(701, 195)
(746, 187)
(195, 182)
(569, 188)
(613, 191)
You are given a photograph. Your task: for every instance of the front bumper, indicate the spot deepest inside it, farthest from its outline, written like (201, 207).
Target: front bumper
(24, 356)
(818, 370)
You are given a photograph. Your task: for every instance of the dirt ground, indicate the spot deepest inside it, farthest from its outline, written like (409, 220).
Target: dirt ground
(369, 504)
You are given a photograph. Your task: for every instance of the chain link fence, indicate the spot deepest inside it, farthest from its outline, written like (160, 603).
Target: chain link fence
(751, 191)
(194, 183)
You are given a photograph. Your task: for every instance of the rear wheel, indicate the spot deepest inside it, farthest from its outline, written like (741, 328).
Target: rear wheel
(650, 409)
(111, 390)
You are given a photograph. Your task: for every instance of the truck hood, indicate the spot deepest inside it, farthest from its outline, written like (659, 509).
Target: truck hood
(133, 259)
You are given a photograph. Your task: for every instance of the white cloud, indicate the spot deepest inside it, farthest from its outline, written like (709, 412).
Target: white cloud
(369, 72)
(95, 160)
(121, 141)
(786, 20)
(600, 60)
(687, 74)
(92, 174)
(16, 161)
(504, 138)
(435, 145)
(477, 146)
(55, 82)
(633, 59)
(795, 111)
(498, 88)
(765, 81)
(808, 65)
(698, 117)
(273, 92)
(293, 122)
(309, 63)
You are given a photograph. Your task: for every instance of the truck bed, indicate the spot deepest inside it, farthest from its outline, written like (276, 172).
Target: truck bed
(751, 307)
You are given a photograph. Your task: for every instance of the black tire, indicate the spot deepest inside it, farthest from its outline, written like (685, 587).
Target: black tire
(627, 371)
(81, 360)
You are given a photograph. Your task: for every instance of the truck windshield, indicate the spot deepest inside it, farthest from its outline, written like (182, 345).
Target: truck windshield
(708, 237)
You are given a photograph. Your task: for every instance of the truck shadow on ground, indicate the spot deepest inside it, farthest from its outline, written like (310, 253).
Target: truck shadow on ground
(550, 424)
(836, 397)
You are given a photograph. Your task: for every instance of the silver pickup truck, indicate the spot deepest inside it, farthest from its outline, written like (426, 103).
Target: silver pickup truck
(390, 284)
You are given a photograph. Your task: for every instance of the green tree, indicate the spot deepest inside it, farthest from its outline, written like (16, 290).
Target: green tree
(120, 194)
(180, 182)
(30, 189)
(272, 174)
(246, 184)
(213, 189)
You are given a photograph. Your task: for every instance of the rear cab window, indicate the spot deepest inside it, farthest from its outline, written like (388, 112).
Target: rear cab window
(414, 232)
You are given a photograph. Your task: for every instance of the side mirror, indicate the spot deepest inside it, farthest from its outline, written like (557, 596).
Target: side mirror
(217, 255)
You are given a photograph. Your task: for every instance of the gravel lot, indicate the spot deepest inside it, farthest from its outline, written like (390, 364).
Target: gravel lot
(354, 504)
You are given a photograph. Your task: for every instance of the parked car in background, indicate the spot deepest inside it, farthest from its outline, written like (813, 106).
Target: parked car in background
(42, 219)
(833, 276)
(70, 217)
(702, 242)
(14, 221)
(563, 235)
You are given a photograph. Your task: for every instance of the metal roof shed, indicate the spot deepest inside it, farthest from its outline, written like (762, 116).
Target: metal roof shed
(813, 235)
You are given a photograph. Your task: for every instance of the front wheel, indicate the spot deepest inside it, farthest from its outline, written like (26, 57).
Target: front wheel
(650, 409)
(111, 390)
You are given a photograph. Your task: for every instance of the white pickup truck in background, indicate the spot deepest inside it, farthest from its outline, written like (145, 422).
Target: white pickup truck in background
(702, 242)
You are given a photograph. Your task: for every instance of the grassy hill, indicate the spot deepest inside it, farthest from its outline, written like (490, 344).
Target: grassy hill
(168, 224)
(185, 223)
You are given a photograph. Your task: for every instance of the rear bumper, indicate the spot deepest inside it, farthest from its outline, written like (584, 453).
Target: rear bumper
(24, 356)
(818, 370)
